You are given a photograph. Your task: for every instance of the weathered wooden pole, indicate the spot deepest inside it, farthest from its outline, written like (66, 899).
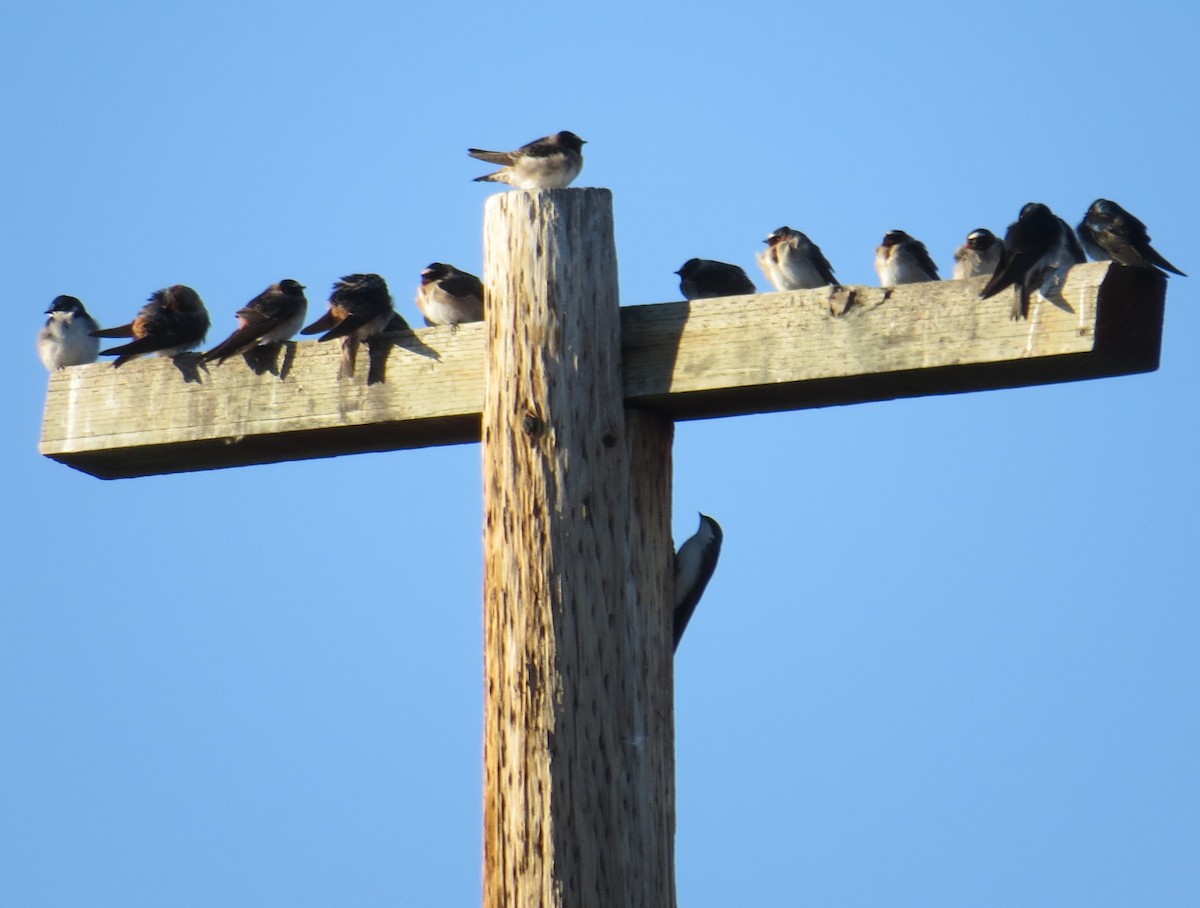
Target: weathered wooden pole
(578, 740)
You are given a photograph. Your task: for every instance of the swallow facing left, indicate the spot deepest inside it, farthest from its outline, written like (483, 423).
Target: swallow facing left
(550, 162)
(448, 296)
(792, 261)
(978, 256)
(900, 259)
(1039, 248)
(173, 321)
(1109, 232)
(701, 279)
(360, 307)
(694, 565)
(270, 318)
(67, 338)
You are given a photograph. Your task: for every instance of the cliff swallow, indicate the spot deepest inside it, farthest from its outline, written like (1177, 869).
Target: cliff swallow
(360, 308)
(701, 279)
(67, 338)
(694, 565)
(550, 162)
(1109, 232)
(792, 261)
(270, 318)
(174, 320)
(900, 259)
(1039, 248)
(448, 296)
(978, 256)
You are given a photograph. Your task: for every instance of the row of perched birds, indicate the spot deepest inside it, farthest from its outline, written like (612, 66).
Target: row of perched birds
(1035, 253)
(175, 319)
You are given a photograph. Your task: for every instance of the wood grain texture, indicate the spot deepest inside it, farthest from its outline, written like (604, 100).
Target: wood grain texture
(573, 755)
(694, 360)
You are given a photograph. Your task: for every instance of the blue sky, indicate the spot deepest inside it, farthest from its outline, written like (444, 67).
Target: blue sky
(950, 653)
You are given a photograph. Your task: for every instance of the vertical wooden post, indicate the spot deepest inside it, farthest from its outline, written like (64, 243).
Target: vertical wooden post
(578, 742)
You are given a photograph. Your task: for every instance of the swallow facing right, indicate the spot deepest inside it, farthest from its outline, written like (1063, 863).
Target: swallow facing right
(701, 279)
(1039, 248)
(550, 162)
(360, 307)
(174, 320)
(1109, 232)
(979, 255)
(792, 261)
(694, 565)
(270, 318)
(448, 296)
(900, 259)
(67, 338)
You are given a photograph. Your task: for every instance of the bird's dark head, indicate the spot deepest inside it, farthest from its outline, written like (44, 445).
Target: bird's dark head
(570, 140)
(290, 287)
(895, 238)
(712, 527)
(360, 282)
(179, 297)
(1033, 210)
(435, 272)
(981, 239)
(778, 235)
(1104, 208)
(689, 267)
(65, 304)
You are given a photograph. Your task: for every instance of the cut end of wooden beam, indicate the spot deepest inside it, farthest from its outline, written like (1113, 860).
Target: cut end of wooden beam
(697, 360)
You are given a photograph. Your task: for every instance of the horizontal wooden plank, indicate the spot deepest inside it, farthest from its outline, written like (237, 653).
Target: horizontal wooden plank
(690, 360)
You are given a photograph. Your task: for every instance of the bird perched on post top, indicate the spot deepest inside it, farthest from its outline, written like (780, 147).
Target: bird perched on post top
(67, 338)
(701, 279)
(270, 318)
(979, 255)
(173, 321)
(550, 162)
(360, 307)
(1039, 249)
(694, 565)
(792, 261)
(1109, 232)
(447, 296)
(900, 259)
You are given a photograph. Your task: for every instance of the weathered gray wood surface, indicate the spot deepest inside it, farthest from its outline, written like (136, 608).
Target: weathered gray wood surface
(578, 740)
(695, 360)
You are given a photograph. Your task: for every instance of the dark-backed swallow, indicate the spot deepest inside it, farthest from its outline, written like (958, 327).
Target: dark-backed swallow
(174, 320)
(448, 296)
(900, 259)
(694, 565)
(979, 255)
(792, 261)
(1109, 232)
(701, 279)
(67, 338)
(360, 307)
(270, 318)
(1039, 248)
(551, 162)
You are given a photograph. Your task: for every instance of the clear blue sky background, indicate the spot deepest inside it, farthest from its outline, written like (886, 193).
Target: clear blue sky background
(950, 655)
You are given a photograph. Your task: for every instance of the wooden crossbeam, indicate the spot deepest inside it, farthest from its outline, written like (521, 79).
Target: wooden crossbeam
(707, 358)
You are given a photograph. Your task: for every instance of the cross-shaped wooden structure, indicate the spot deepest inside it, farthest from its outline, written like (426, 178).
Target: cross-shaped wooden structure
(575, 400)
